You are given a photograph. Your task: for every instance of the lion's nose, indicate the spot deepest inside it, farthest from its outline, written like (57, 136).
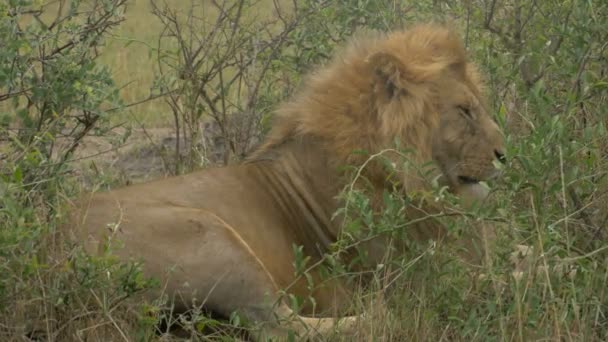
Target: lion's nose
(500, 156)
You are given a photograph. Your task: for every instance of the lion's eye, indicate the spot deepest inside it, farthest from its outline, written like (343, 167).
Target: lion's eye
(466, 111)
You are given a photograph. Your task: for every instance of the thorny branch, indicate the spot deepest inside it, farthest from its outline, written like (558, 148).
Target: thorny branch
(513, 37)
(217, 73)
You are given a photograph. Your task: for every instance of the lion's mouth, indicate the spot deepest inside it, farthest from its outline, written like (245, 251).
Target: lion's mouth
(467, 180)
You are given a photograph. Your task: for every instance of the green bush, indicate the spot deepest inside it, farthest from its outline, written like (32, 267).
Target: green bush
(52, 94)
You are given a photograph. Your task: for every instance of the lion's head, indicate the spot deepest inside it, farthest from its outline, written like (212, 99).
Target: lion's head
(416, 87)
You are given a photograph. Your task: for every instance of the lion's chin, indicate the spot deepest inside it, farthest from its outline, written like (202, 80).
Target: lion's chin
(467, 180)
(471, 193)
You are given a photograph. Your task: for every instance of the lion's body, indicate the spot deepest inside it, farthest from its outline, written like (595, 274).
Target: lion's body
(225, 237)
(226, 259)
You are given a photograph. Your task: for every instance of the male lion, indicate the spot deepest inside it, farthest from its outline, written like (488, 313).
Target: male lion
(225, 237)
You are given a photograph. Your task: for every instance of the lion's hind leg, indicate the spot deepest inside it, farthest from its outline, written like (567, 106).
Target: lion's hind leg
(308, 328)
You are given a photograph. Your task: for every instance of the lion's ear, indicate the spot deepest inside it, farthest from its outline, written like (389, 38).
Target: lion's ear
(390, 73)
(398, 77)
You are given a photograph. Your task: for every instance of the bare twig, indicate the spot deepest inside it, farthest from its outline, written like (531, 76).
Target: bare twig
(216, 61)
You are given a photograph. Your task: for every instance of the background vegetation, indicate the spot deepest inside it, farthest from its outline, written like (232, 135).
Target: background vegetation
(209, 73)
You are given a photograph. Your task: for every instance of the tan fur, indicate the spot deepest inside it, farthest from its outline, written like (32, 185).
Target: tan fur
(224, 237)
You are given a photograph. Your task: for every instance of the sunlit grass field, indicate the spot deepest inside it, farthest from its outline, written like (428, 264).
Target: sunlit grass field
(131, 53)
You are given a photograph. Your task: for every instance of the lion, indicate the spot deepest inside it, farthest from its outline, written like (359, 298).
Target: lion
(224, 237)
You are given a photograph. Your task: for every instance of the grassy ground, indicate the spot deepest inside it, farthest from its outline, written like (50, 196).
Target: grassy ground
(131, 55)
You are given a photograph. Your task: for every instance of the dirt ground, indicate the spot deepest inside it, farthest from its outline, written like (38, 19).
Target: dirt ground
(139, 158)
(146, 154)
